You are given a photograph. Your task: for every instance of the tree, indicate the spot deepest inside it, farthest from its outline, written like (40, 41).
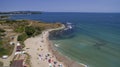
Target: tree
(30, 30)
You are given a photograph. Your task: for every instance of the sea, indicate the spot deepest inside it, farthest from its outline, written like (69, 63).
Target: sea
(93, 39)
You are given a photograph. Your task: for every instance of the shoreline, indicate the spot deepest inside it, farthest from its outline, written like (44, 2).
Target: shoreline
(60, 57)
(48, 48)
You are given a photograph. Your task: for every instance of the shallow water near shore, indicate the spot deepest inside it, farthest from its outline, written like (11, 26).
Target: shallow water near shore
(94, 39)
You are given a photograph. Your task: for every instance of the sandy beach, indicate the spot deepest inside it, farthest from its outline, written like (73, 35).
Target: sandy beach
(42, 53)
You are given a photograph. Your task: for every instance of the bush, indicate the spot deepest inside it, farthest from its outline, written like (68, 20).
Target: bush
(22, 37)
(3, 51)
(38, 30)
(20, 29)
(1, 63)
(1, 30)
(30, 31)
(1, 43)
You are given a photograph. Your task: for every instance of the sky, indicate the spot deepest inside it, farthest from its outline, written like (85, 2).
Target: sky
(61, 5)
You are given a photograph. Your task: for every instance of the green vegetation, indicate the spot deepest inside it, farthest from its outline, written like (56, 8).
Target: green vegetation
(21, 12)
(4, 17)
(25, 29)
(22, 37)
(28, 59)
(1, 63)
(2, 30)
(38, 31)
(20, 29)
(5, 48)
(13, 22)
(3, 51)
(1, 42)
(30, 30)
(33, 31)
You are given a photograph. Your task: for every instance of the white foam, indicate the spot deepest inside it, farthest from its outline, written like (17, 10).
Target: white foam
(57, 45)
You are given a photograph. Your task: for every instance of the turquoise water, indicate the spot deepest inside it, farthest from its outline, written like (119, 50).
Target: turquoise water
(94, 39)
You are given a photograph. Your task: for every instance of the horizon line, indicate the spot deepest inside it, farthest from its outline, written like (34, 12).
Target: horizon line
(60, 11)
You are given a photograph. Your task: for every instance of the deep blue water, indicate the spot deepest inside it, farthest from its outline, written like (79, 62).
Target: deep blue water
(94, 39)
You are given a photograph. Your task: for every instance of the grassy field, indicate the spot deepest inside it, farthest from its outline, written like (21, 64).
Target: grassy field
(5, 48)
